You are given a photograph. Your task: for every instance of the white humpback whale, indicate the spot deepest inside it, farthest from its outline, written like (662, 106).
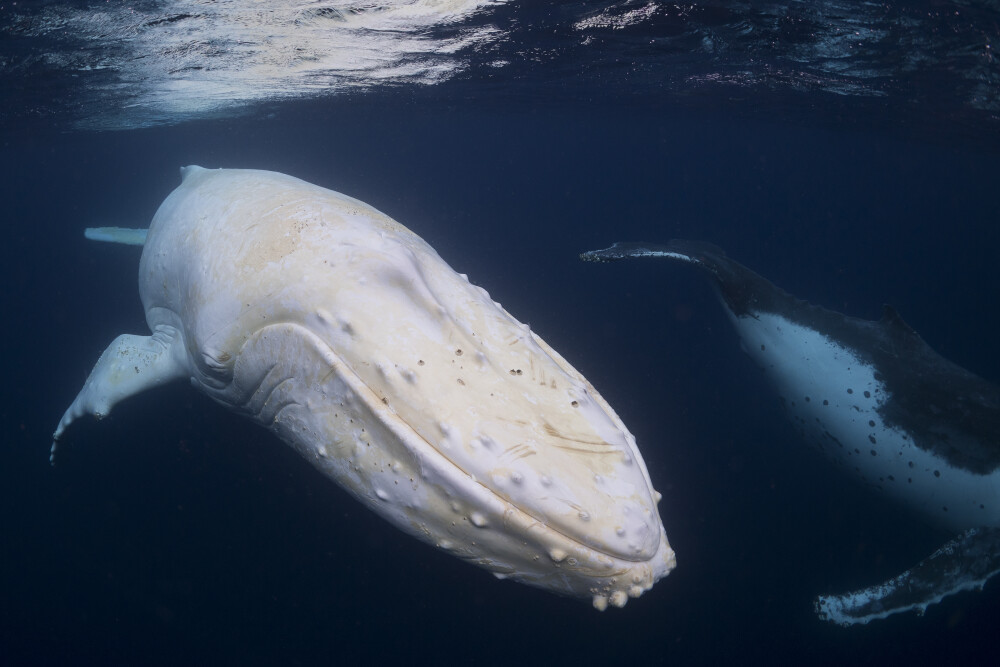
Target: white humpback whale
(876, 398)
(344, 333)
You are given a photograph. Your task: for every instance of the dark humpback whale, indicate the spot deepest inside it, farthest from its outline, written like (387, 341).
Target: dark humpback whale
(876, 398)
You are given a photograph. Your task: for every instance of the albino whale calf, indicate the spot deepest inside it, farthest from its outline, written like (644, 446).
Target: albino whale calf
(877, 399)
(348, 336)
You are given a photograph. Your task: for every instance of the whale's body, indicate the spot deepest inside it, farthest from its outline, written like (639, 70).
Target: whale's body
(348, 336)
(875, 398)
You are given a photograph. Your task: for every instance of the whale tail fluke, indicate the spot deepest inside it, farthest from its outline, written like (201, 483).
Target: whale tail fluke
(116, 235)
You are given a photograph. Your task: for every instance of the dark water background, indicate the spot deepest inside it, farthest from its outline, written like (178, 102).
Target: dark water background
(176, 533)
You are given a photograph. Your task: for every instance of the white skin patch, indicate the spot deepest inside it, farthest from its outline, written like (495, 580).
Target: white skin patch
(833, 397)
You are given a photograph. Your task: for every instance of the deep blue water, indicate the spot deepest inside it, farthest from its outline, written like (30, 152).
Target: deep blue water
(175, 532)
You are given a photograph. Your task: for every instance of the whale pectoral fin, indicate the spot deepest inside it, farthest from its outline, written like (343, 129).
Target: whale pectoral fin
(130, 365)
(124, 235)
(694, 252)
(963, 563)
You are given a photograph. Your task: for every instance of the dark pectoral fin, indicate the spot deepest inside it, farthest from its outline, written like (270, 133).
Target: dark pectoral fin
(963, 563)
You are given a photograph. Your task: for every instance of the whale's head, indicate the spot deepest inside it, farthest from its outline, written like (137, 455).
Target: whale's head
(348, 335)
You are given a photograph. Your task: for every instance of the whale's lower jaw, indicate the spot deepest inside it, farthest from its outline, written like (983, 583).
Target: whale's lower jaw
(835, 399)
(324, 411)
(428, 497)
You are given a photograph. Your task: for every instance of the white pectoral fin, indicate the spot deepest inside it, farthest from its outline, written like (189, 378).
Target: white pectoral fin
(963, 563)
(123, 235)
(130, 365)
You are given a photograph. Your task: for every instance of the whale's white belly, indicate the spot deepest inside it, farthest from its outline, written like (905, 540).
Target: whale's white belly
(834, 397)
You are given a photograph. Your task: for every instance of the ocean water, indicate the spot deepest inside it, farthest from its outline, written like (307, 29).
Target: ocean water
(845, 150)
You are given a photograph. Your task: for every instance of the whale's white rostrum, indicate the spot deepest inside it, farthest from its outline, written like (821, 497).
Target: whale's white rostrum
(346, 334)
